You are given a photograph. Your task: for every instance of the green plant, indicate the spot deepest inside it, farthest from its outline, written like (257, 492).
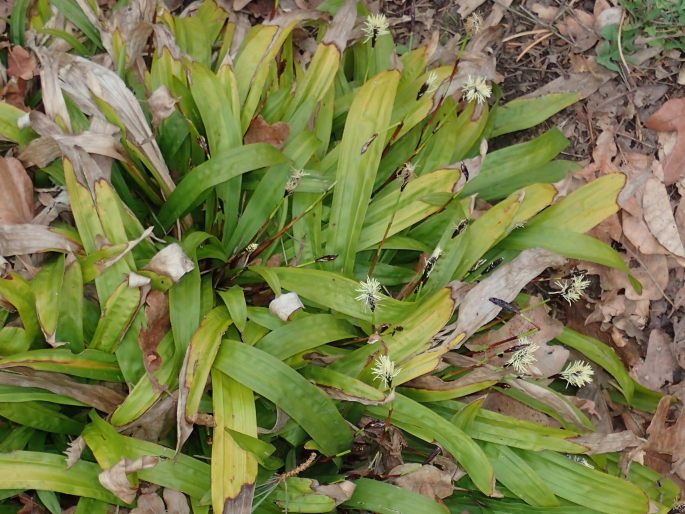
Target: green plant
(656, 22)
(269, 181)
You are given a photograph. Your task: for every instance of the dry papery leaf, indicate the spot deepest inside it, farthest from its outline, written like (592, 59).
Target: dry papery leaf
(669, 118)
(659, 365)
(74, 451)
(174, 502)
(158, 324)
(505, 283)
(161, 105)
(428, 480)
(116, 481)
(260, 131)
(171, 262)
(29, 239)
(668, 440)
(16, 192)
(21, 64)
(340, 492)
(285, 305)
(656, 206)
(597, 443)
(95, 395)
(557, 401)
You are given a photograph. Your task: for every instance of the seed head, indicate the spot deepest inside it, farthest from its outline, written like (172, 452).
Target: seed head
(251, 247)
(405, 174)
(294, 181)
(524, 357)
(578, 374)
(384, 370)
(369, 293)
(476, 89)
(375, 25)
(473, 24)
(571, 290)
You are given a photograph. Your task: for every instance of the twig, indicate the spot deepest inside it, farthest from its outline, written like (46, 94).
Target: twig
(534, 43)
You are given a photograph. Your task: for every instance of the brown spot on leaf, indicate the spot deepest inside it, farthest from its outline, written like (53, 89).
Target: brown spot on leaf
(260, 131)
(157, 317)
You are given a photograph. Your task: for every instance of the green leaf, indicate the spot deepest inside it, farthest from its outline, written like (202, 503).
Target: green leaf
(360, 153)
(376, 496)
(47, 471)
(92, 364)
(40, 416)
(212, 173)
(73, 13)
(425, 424)
(306, 404)
(47, 285)
(524, 113)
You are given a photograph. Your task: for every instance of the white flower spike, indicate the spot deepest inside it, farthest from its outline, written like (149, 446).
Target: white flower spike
(384, 370)
(375, 25)
(294, 180)
(476, 89)
(578, 374)
(524, 357)
(572, 290)
(369, 293)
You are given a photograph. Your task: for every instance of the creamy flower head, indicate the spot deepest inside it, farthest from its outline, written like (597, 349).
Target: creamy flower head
(384, 370)
(571, 290)
(369, 293)
(294, 180)
(473, 24)
(375, 25)
(578, 374)
(476, 89)
(524, 357)
(251, 247)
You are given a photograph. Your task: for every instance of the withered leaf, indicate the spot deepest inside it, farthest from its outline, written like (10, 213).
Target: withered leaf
(21, 64)
(115, 479)
(260, 131)
(658, 215)
(158, 324)
(669, 118)
(668, 440)
(16, 192)
(427, 480)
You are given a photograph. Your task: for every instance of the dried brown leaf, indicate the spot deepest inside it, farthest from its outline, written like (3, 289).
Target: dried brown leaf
(260, 131)
(74, 451)
(608, 443)
(656, 207)
(668, 440)
(669, 118)
(158, 324)
(115, 479)
(427, 480)
(505, 283)
(659, 365)
(161, 105)
(29, 239)
(21, 64)
(16, 192)
(340, 492)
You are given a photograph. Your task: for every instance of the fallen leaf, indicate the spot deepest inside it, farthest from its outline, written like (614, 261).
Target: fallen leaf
(505, 283)
(659, 364)
(176, 502)
(161, 105)
(285, 305)
(608, 443)
(656, 207)
(74, 451)
(260, 131)
(340, 492)
(157, 325)
(149, 503)
(21, 64)
(171, 262)
(668, 440)
(427, 480)
(16, 192)
(29, 239)
(669, 118)
(115, 479)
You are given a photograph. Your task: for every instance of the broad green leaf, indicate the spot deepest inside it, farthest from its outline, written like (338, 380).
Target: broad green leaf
(70, 323)
(234, 298)
(9, 117)
(17, 291)
(376, 496)
(44, 417)
(178, 472)
(360, 153)
(425, 424)
(270, 378)
(234, 469)
(305, 333)
(585, 486)
(116, 318)
(72, 12)
(47, 285)
(47, 471)
(512, 471)
(200, 356)
(210, 174)
(92, 364)
(524, 113)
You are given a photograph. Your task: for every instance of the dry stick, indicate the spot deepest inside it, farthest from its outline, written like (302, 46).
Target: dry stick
(627, 76)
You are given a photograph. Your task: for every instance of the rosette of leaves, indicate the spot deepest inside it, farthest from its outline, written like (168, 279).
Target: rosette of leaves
(194, 323)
